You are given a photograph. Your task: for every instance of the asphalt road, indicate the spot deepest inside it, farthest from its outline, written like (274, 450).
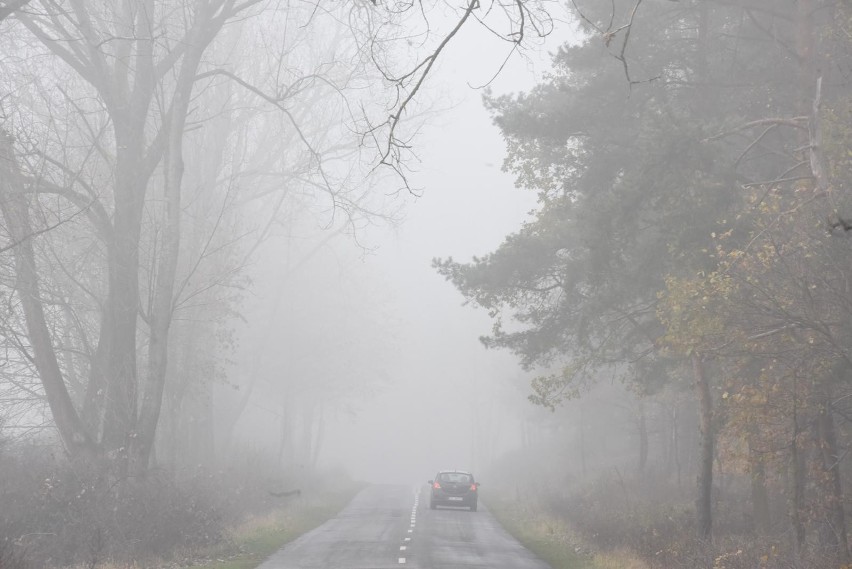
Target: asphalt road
(392, 526)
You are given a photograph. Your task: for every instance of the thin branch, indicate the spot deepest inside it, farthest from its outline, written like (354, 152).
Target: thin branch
(427, 66)
(41, 231)
(277, 102)
(795, 122)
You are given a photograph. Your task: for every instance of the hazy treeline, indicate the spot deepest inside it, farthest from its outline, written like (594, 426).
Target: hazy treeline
(149, 150)
(150, 171)
(692, 165)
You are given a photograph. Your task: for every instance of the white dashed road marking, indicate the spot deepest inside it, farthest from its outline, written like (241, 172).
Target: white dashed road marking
(411, 529)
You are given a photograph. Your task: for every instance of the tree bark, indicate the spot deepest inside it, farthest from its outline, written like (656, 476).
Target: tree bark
(122, 303)
(675, 449)
(833, 535)
(93, 403)
(704, 500)
(129, 109)
(160, 317)
(797, 491)
(759, 494)
(127, 90)
(643, 437)
(582, 441)
(163, 306)
(703, 504)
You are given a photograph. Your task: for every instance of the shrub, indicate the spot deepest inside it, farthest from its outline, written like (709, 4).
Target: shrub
(64, 516)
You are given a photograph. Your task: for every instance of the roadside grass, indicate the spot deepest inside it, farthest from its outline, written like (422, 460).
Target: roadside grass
(618, 560)
(258, 537)
(552, 539)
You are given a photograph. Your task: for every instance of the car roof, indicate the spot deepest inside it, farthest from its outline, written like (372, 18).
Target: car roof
(454, 472)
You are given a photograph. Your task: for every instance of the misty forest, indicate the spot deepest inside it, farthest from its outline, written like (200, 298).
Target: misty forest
(266, 266)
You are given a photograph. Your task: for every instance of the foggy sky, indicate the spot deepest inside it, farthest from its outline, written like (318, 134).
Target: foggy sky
(422, 422)
(435, 373)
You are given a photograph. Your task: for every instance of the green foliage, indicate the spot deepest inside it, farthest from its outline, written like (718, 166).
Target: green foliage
(552, 390)
(628, 188)
(692, 313)
(648, 194)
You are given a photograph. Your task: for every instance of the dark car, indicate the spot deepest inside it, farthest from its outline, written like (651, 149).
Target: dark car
(454, 488)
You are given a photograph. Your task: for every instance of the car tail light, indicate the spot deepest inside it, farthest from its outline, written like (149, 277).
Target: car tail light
(473, 487)
(436, 486)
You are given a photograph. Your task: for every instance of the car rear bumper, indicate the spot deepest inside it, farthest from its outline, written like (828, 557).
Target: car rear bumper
(464, 502)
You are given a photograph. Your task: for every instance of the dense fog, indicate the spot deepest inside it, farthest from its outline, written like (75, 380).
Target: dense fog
(274, 274)
(421, 376)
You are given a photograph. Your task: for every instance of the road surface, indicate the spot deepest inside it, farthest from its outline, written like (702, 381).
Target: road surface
(392, 526)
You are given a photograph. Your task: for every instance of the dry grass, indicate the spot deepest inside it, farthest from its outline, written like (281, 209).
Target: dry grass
(255, 523)
(618, 560)
(552, 538)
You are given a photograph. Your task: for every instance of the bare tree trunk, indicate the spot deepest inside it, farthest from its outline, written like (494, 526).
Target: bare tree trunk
(704, 512)
(15, 209)
(675, 448)
(704, 503)
(205, 420)
(93, 405)
(307, 412)
(163, 305)
(496, 434)
(582, 440)
(643, 437)
(286, 451)
(833, 535)
(320, 436)
(126, 80)
(807, 56)
(475, 438)
(160, 317)
(797, 493)
(122, 303)
(759, 495)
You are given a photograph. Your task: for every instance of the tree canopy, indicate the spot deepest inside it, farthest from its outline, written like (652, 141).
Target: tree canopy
(691, 203)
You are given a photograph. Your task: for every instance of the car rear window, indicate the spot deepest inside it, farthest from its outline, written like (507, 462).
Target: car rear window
(455, 477)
